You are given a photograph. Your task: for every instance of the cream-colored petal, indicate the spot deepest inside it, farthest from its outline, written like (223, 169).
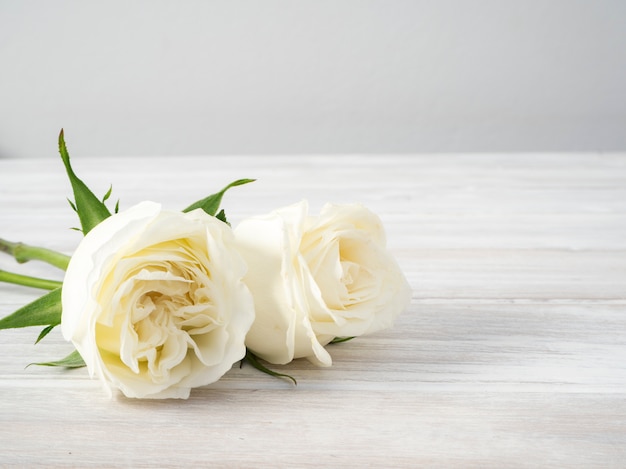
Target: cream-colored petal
(156, 290)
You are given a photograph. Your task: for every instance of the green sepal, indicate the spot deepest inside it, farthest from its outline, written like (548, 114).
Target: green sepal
(73, 360)
(108, 194)
(338, 340)
(254, 361)
(90, 209)
(222, 217)
(46, 330)
(72, 205)
(44, 311)
(211, 204)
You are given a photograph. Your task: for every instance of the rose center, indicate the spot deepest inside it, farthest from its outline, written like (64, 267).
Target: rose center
(350, 272)
(159, 310)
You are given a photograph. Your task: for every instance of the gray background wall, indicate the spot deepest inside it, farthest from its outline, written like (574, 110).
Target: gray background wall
(325, 76)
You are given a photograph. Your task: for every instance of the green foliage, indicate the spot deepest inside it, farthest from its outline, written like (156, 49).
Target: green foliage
(222, 217)
(338, 340)
(254, 361)
(90, 209)
(46, 330)
(23, 253)
(108, 194)
(211, 204)
(73, 360)
(35, 282)
(44, 311)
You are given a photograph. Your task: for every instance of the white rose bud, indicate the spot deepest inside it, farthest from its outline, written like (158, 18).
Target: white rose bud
(317, 278)
(154, 301)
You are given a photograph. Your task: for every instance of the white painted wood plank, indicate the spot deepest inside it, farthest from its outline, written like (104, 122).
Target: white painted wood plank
(284, 428)
(538, 274)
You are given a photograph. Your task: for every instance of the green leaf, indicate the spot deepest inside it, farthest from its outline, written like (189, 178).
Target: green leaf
(44, 333)
(44, 311)
(211, 204)
(73, 360)
(90, 209)
(108, 194)
(72, 205)
(222, 217)
(338, 340)
(254, 361)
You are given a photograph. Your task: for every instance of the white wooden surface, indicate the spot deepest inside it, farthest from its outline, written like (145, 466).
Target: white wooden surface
(512, 353)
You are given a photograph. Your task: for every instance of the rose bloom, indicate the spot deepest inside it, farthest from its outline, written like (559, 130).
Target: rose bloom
(317, 278)
(154, 301)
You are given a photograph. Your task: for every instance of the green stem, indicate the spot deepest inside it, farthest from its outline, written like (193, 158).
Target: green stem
(24, 253)
(44, 284)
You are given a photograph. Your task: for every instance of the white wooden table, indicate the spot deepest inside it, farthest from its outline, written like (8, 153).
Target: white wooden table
(512, 353)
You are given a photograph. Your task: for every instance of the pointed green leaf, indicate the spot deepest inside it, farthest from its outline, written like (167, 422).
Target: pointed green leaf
(222, 217)
(338, 340)
(44, 333)
(72, 204)
(254, 361)
(44, 311)
(108, 194)
(211, 204)
(90, 209)
(73, 360)
(117, 206)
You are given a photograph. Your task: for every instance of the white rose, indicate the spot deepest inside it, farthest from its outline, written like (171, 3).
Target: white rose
(154, 301)
(317, 278)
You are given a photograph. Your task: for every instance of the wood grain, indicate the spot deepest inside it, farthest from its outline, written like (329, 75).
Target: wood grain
(511, 354)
